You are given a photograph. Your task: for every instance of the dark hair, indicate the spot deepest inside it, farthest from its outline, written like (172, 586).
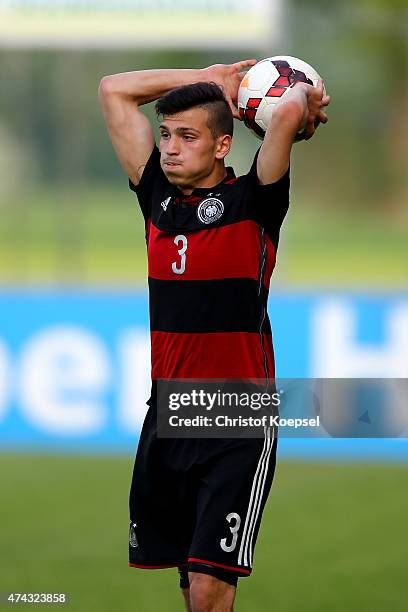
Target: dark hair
(206, 95)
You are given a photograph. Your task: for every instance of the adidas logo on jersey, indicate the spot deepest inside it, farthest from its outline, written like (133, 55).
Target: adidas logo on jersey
(165, 203)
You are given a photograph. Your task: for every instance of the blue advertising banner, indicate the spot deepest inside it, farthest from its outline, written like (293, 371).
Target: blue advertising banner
(75, 366)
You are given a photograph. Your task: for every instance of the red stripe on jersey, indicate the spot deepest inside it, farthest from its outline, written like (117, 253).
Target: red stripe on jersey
(153, 566)
(189, 199)
(212, 355)
(229, 251)
(270, 261)
(147, 229)
(228, 567)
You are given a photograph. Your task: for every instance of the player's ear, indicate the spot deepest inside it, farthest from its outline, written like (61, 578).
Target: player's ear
(223, 146)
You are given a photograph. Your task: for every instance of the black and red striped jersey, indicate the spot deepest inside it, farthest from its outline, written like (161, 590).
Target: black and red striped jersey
(210, 258)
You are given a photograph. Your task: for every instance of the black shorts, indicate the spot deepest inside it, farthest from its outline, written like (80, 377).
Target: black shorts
(197, 503)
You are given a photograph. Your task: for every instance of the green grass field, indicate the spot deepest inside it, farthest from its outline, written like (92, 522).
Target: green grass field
(92, 236)
(333, 538)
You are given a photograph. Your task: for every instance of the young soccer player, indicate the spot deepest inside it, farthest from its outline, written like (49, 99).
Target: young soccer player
(212, 237)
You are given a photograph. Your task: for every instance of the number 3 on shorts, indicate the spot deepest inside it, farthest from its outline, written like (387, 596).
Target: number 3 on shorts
(180, 269)
(232, 516)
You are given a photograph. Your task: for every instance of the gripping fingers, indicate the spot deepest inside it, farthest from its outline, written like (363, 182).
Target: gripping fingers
(245, 64)
(312, 126)
(322, 117)
(233, 108)
(319, 88)
(310, 131)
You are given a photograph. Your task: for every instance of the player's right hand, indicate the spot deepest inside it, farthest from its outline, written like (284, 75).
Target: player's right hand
(229, 77)
(315, 101)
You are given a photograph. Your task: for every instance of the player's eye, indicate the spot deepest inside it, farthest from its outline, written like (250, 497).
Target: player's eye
(163, 134)
(188, 137)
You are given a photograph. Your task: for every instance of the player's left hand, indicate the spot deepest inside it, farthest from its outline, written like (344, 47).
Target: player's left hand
(317, 100)
(229, 77)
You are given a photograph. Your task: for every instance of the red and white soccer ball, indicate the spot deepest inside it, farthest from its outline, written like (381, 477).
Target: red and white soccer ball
(265, 84)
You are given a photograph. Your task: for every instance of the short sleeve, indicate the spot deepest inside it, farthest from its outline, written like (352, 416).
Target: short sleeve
(151, 175)
(269, 203)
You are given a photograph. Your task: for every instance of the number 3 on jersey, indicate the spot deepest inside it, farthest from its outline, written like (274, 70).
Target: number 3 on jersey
(234, 528)
(179, 267)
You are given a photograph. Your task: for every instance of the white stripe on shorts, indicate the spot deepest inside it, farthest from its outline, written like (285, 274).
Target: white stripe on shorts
(252, 528)
(255, 499)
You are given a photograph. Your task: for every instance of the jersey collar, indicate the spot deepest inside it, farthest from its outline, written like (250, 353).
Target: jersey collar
(201, 191)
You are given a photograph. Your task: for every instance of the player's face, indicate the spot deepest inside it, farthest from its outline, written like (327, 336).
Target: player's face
(189, 152)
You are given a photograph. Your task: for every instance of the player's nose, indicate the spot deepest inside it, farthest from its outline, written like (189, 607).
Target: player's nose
(172, 146)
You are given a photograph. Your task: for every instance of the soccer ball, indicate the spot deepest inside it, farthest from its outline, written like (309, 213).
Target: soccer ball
(265, 84)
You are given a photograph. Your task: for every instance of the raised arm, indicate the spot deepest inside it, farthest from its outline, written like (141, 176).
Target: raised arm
(301, 108)
(122, 94)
